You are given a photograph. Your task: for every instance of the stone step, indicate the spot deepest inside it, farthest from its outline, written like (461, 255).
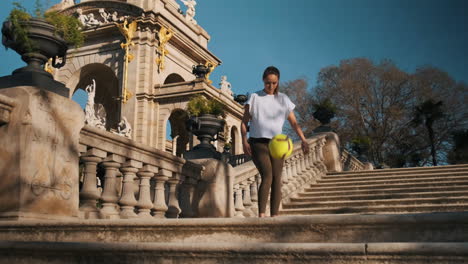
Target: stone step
(377, 202)
(409, 185)
(356, 178)
(401, 170)
(394, 181)
(432, 227)
(419, 208)
(380, 195)
(385, 191)
(232, 252)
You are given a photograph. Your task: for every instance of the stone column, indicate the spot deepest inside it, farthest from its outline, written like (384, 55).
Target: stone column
(39, 134)
(254, 194)
(127, 201)
(89, 193)
(110, 194)
(144, 204)
(238, 201)
(186, 193)
(174, 209)
(247, 202)
(159, 203)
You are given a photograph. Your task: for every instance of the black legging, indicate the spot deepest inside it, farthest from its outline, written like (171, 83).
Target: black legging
(270, 169)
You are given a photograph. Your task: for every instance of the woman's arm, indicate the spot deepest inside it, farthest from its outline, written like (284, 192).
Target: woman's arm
(244, 124)
(292, 120)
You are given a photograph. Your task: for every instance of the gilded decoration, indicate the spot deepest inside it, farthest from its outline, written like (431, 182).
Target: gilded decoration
(164, 36)
(128, 30)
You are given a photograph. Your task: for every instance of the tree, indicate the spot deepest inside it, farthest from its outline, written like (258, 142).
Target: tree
(378, 102)
(427, 113)
(298, 92)
(459, 152)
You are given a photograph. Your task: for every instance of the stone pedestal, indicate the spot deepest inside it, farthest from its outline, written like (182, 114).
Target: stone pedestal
(213, 195)
(332, 153)
(39, 155)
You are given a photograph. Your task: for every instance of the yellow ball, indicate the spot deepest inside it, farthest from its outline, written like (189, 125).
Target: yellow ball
(280, 146)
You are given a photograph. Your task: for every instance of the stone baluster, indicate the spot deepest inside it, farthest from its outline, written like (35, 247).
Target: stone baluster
(247, 201)
(302, 168)
(289, 172)
(145, 204)
(238, 201)
(321, 156)
(159, 201)
(310, 167)
(110, 193)
(127, 200)
(173, 210)
(186, 196)
(295, 170)
(254, 194)
(89, 193)
(310, 172)
(314, 160)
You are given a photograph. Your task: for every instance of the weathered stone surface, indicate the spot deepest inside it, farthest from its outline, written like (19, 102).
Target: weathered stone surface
(240, 252)
(213, 195)
(39, 157)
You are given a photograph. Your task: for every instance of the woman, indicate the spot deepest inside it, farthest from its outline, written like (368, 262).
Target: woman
(266, 110)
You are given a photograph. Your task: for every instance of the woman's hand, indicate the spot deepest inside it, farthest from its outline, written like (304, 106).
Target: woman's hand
(246, 147)
(305, 147)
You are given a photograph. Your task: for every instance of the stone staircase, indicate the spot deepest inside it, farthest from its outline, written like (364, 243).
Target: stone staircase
(417, 215)
(387, 191)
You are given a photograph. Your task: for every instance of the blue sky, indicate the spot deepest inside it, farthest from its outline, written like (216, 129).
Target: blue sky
(302, 36)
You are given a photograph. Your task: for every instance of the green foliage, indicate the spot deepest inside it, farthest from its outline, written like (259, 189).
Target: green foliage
(18, 14)
(67, 27)
(200, 105)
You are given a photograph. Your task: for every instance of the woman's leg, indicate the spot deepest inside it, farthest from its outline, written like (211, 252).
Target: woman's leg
(276, 196)
(261, 159)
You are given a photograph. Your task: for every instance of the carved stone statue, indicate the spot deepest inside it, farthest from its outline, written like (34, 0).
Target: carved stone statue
(190, 13)
(91, 117)
(92, 21)
(89, 20)
(225, 86)
(81, 17)
(124, 128)
(104, 15)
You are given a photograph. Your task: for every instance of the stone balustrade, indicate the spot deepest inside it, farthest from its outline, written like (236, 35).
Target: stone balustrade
(123, 179)
(351, 163)
(299, 170)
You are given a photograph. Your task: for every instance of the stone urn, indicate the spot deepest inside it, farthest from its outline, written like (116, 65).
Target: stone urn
(205, 127)
(200, 71)
(45, 44)
(241, 98)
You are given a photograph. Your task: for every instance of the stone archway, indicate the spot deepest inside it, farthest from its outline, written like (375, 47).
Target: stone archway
(173, 78)
(107, 89)
(177, 121)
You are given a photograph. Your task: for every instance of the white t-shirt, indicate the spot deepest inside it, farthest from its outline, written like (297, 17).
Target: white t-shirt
(268, 113)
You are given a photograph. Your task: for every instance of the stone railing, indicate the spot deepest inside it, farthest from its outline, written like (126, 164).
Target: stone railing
(131, 180)
(299, 170)
(351, 163)
(236, 160)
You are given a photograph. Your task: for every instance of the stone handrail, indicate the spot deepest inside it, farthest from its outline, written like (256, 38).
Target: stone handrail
(129, 170)
(351, 163)
(299, 169)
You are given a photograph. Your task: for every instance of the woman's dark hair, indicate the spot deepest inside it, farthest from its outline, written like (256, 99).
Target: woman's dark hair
(272, 70)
